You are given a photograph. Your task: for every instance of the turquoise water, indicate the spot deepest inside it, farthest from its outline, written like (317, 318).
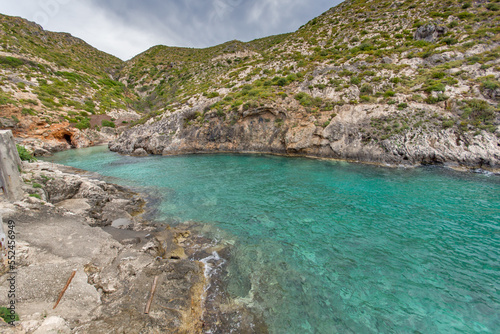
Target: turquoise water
(334, 247)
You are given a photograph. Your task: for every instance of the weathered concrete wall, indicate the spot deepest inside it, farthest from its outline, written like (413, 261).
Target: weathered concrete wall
(3, 245)
(10, 164)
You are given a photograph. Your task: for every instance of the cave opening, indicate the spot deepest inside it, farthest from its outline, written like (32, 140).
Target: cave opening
(67, 137)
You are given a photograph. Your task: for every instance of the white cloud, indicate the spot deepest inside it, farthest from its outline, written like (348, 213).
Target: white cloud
(126, 28)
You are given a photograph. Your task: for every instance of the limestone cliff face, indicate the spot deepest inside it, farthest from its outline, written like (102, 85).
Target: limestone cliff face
(271, 129)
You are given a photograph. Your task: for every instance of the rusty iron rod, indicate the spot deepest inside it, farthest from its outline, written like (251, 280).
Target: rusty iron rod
(153, 289)
(65, 288)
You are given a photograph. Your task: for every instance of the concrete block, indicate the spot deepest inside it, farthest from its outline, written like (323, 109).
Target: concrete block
(10, 165)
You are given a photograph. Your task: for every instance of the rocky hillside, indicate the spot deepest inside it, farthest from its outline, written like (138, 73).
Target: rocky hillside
(55, 88)
(376, 81)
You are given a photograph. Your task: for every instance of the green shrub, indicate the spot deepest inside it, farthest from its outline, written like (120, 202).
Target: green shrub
(89, 106)
(479, 111)
(11, 62)
(421, 43)
(366, 89)
(307, 100)
(464, 15)
(292, 77)
(110, 83)
(448, 123)
(402, 106)
(450, 40)
(364, 98)
(282, 82)
(438, 75)
(36, 196)
(432, 100)
(365, 46)
(24, 154)
(355, 80)
(6, 98)
(6, 315)
(84, 123)
(211, 95)
(28, 111)
(109, 124)
(435, 87)
(493, 7)
(389, 93)
(489, 83)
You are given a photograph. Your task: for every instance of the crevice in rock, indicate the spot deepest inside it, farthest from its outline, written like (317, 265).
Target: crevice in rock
(67, 138)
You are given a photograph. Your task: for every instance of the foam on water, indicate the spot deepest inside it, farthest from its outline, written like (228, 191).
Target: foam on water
(334, 247)
(211, 263)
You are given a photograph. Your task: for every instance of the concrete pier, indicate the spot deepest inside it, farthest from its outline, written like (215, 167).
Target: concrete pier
(10, 166)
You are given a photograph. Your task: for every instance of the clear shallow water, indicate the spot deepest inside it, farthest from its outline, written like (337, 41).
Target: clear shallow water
(333, 247)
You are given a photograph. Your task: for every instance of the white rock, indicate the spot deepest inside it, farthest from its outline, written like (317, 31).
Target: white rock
(53, 325)
(78, 206)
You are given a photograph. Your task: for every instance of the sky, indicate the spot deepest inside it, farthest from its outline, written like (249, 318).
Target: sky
(125, 28)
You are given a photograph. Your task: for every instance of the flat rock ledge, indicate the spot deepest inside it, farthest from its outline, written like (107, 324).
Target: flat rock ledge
(69, 220)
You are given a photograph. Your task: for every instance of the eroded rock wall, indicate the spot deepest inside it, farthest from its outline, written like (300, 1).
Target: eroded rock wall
(348, 135)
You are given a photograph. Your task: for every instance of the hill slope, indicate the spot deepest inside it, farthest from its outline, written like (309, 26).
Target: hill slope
(377, 81)
(56, 86)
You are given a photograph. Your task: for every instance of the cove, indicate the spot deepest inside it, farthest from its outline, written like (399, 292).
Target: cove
(335, 247)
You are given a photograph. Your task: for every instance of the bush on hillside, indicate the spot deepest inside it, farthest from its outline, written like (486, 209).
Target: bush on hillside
(109, 124)
(24, 154)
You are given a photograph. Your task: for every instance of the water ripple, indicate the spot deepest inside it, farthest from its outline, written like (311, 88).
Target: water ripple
(328, 247)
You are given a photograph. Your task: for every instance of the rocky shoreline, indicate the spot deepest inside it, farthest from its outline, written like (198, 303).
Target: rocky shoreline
(72, 220)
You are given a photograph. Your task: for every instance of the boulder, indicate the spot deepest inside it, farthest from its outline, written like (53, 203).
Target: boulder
(122, 223)
(53, 325)
(78, 206)
(61, 189)
(115, 210)
(140, 152)
(429, 32)
(91, 191)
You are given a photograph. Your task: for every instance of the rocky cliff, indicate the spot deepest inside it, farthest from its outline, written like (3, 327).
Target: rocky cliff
(271, 129)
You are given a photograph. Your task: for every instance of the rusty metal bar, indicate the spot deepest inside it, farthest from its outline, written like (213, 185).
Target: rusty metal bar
(65, 288)
(153, 289)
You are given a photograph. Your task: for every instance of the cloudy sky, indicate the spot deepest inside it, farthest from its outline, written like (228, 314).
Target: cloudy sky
(126, 28)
